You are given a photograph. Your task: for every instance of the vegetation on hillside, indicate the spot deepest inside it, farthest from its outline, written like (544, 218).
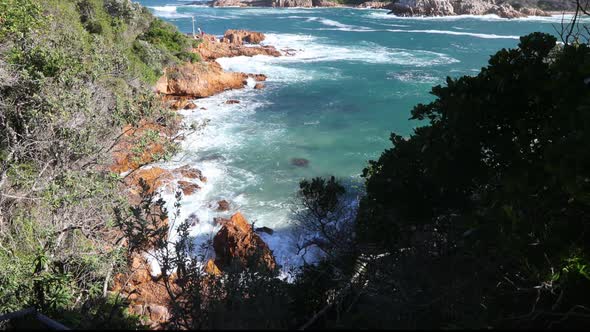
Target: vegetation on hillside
(70, 78)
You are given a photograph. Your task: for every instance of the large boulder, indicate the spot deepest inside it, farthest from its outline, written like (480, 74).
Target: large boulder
(236, 244)
(458, 7)
(423, 8)
(232, 44)
(292, 3)
(199, 80)
(240, 37)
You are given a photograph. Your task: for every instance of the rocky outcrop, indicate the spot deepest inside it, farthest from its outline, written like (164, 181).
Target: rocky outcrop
(233, 44)
(239, 37)
(376, 5)
(423, 8)
(158, 178)
(292, 3)
(326, 3)
(275, 3)
(199, 80)
(300, 162)
(148, 296)
(534, 12)
(223, 205)
(126, 154)
(237, 245)
(459, 7)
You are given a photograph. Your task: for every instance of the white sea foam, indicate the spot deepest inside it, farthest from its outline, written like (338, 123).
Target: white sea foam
(316, 49)
(457, 33)
(332, 23)
(489, 17)
(168, 12)
(414, 76)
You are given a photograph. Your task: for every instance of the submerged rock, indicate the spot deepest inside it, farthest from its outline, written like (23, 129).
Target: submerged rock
(223, 205)
(258, 77)
(190, 106)
(259, 86)
(232, 101)
(300, 162)
(265, 229)
(188, 188)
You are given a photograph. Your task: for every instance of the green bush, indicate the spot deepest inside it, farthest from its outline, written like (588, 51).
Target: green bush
(498, 173)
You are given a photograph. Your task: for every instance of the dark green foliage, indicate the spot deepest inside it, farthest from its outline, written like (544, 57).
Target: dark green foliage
(18, 17)
(321, 196)
(501, 161)
(166, 36)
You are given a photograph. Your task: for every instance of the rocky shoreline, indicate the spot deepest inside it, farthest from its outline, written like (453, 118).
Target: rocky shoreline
(237, 240)
(407, 8)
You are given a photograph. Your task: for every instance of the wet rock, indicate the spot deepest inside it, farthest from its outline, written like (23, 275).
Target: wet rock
(223, 205)
(289, 51)
(191, 173)
(259, 86)
(190, 106)
(192, 219)
(300, 162)
(188, 188)
(265, 229)
(232, 101)
(258, 77)
(212, 157)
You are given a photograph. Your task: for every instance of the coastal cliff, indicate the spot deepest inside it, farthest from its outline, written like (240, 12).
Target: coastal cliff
(502, 8)
(461, 7)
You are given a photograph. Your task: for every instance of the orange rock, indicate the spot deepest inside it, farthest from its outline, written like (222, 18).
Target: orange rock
(241, 36)
(211, 268)
(259, 86)
(237, 242)
(188, 188)
(154, 177)
(190, 106)
(125, 154)
(191, 173)
(231, 45)
(198, 80)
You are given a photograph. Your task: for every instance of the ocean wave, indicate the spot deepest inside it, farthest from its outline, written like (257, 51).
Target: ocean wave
(314, 49)
(332, 23)
(414, 76)
(458, 33)
(167, 12)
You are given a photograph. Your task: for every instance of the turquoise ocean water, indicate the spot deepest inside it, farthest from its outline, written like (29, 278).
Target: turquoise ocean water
(353, 80)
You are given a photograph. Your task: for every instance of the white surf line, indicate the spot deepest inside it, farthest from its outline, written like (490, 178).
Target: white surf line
(458, 33)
